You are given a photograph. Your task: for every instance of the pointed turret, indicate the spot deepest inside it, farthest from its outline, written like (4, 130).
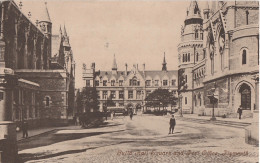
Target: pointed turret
(65, 32)
(60, 31)
(45, 15)
(193, 12)
(66, 41)
(114, 66)
(206, 10)
(164, 67)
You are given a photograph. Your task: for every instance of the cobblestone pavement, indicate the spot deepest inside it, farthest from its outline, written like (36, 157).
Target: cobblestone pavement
(144, 139)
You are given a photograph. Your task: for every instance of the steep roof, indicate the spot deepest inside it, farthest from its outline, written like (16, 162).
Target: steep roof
(45, 15)
(193, 11)
(150, 73)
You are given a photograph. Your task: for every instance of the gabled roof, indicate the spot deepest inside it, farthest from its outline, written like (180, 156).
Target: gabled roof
(151, 74)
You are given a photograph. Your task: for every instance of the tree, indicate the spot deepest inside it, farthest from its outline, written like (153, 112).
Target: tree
(110, 102)
(160, 97)
(90, 99)
(79, 102)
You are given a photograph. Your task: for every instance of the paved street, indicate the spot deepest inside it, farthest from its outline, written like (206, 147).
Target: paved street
(144, 139)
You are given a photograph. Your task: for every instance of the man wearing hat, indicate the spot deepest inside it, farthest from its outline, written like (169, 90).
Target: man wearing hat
(172, 124)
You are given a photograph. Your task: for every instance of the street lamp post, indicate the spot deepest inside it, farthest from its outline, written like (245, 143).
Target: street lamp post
(143, 100)
(180, 96)
(213, 100)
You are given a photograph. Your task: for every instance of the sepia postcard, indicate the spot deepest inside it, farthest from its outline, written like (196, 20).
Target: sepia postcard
(128, 81)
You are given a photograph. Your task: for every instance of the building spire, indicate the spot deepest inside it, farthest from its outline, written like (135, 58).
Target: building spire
(65, 32)
(46, 16)
(164, 67)
(193, 10)
(60, 31)
(114, 66)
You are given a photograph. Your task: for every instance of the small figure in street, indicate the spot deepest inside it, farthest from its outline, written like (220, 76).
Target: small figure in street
(239, 111)
(131, 114)
(112, 115)
(25, 129)
(172, 124)
(77, 121)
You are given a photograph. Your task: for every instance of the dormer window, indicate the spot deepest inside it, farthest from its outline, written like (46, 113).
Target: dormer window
(148, 82)
(97, 82)
(165, 82)
(113, 82)
(120, 82)
(104, 82)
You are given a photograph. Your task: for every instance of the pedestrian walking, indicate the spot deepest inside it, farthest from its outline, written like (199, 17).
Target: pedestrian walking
(112, 115)
(25, 129)
(172, 124)
(239, 111)
(131, 114)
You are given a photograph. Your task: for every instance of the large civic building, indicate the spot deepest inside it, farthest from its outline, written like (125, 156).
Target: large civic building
(219, 55)
(128, 88)
(37, 68)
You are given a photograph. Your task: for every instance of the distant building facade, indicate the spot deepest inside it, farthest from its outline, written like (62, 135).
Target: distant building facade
(37, 69)
(129, 88)
(218, 54)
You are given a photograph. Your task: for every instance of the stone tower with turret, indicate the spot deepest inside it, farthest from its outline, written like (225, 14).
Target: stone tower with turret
(190, 52)
(46, 27)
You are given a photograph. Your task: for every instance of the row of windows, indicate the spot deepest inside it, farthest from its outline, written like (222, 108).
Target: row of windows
(244, 60)
(197, 35)
(164, 83)
(105, 83)
(133, 82)
(186, 57)
(121, 94)
(199, 73)
(139, 94)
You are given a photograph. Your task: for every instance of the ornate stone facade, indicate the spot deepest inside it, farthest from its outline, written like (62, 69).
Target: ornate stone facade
(128, 89)
(226, 57)
(36, 69)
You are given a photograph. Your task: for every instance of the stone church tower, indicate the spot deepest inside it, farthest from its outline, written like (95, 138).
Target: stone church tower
(190, 52)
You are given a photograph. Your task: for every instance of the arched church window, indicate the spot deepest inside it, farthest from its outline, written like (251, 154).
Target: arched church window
(188, 57)
(183, 57)
(244, 57)
(197, 56)
(196, 34)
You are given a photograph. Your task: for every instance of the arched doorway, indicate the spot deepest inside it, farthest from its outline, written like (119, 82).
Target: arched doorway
(244, 96)
(245, 92)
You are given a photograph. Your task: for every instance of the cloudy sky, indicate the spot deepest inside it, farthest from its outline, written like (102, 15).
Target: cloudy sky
(136, 32)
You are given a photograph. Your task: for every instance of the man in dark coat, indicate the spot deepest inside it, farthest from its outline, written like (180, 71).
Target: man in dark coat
(25, 129)
(172, 124)
(239, 111)
(131, 114)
